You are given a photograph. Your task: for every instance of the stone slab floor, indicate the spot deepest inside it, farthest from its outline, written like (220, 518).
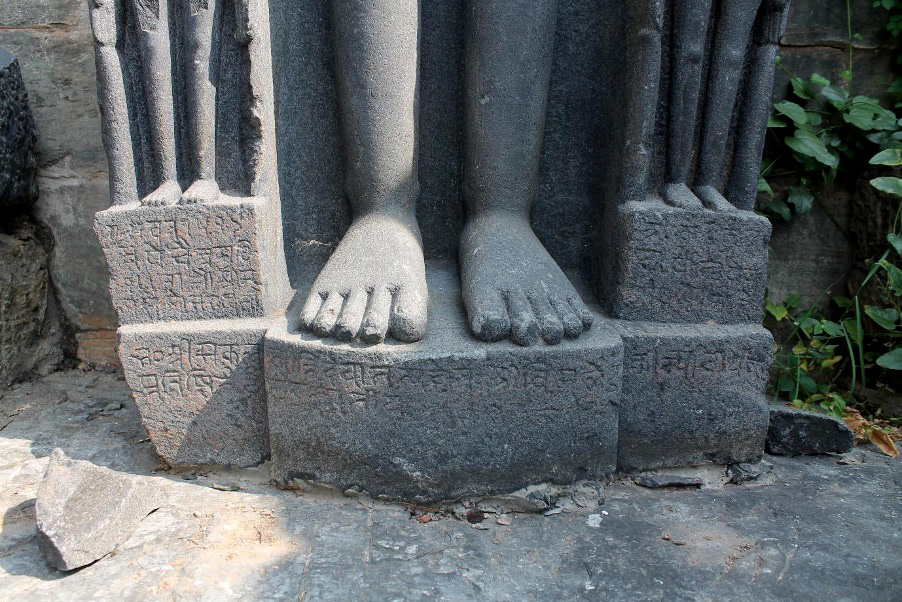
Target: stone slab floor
(818, 528)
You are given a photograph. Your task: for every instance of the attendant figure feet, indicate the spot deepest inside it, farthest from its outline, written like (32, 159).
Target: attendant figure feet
(202, 191)
(679, 195)
(373, 286)
(712, 199)
(167, 193)
(512, 288)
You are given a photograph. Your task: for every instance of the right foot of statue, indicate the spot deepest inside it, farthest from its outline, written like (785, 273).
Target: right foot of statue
(168, 193)
(373, 286)
(679, 195)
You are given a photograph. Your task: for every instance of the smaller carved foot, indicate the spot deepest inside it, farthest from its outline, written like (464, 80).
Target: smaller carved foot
(202, 191)
(713, 200)
(167, 193)
(679, 195)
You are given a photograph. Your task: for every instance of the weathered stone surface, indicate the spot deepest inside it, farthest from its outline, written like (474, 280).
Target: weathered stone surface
(30, 332)
(674, 265)
(443, 418)
(664, 481)
(692, 394)
(192, 262)
(199, 388)
(18, 167)
(84, 511)
(795, 432)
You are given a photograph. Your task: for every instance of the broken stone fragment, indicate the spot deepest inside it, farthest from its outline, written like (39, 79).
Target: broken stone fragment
(795, 432)
(663, 481)
(85, 511)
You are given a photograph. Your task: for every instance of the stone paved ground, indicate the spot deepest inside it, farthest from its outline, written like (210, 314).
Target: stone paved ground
(817, 529)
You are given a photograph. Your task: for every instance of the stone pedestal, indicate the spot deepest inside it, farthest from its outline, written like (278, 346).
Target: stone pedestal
(446, 417)
(692, 393)
(199, 389)
(673, 265)
(191, 262)
(195, 287)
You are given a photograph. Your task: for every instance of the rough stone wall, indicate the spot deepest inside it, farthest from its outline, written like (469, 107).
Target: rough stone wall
(813, 254)
(52, 39)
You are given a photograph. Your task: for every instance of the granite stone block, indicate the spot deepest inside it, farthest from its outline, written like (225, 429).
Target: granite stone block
(685, 266)
(692, 394)
(199, 389)
(186, 262)
(795, 432)
(446, 417)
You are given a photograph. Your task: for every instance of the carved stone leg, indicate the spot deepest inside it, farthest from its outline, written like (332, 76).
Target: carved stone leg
(734, 30)
(108, 25)
(375, 282)
(690, 27)
(743, 188)
(156, 60)
(646, 20)
(512, 288)
(202, 23)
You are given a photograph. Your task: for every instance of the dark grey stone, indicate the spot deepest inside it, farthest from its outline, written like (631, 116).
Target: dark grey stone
(664, 481)
(205, 261)
(84, 511)
(744, 473)
(795, 432)
(683, 266)
(30, 329)
(445, 418)
(692, 394)
(199, 389)
(18, 167)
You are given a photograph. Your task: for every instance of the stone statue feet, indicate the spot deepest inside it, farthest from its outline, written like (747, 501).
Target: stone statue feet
(202, 191)
(512, 288)
(373, 286)
(167, 193)
(712, 199)
(679, 195)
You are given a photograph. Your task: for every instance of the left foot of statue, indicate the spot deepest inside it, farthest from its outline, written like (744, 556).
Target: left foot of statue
(202, 191)
(511, 286)
(712, 199)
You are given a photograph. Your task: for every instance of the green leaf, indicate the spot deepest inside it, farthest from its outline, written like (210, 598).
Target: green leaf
(885, 318)
(801, 199)
(792, 300)
(889, 185)
(808, 385)
(842, 302)
(851, 327)
(891, 360)
(773, 122)
(896, 241)
(895, 276)
(800, 89)
(891, 156)
(764, 187)
(780, 208)
(806, 143)
(796, 113)
(837, 96)
(819, 80)
(779, 312)
(867, 114)
(833, 329)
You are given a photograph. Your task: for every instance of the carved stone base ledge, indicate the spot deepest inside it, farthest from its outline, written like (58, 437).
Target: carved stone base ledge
(444, 418)
(199, 389)
(692, 394)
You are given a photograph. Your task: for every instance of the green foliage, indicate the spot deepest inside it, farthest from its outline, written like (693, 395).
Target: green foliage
(822, 132)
